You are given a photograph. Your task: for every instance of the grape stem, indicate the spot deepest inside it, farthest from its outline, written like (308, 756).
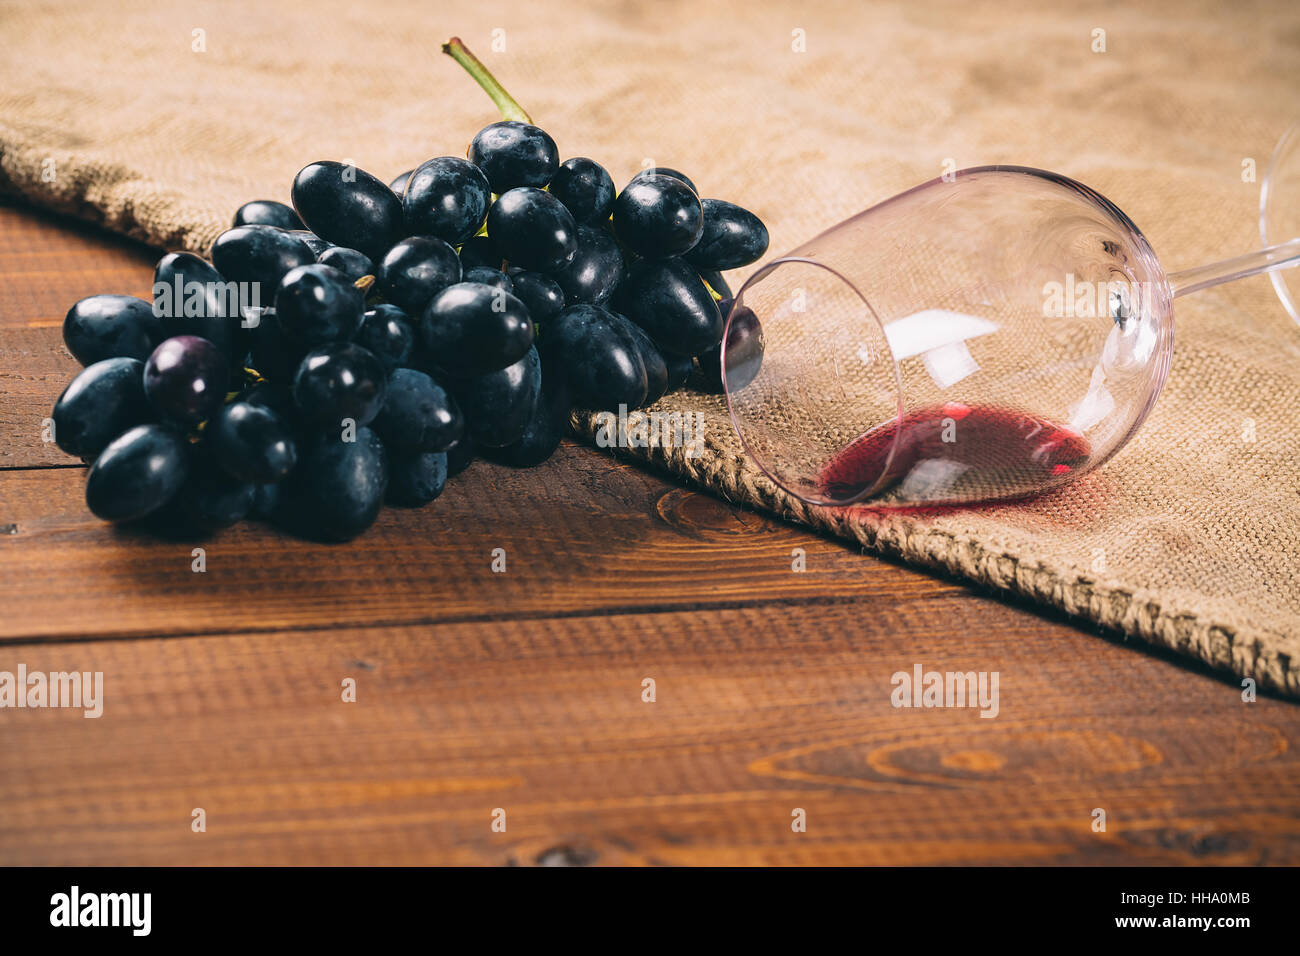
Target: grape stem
(510, 109)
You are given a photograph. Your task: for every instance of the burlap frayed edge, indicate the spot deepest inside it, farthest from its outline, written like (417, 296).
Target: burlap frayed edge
(1245, 652)
(108, 194)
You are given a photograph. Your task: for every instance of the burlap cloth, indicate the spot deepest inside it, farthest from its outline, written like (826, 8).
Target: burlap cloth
(159, 119)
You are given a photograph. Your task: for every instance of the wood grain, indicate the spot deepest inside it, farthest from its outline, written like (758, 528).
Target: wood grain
(34, 370)
(758, 711)
(523, 690)
(47, 263)
(52, 261)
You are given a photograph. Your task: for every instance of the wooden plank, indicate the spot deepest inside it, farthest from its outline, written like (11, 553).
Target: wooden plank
(758, 711)
(48, 262)
(34, 370)
(581, 533)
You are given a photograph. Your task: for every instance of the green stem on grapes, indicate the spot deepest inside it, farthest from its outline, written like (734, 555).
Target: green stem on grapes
(510, 109)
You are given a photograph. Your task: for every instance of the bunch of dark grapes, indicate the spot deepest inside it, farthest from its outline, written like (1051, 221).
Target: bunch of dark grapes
(365, 344)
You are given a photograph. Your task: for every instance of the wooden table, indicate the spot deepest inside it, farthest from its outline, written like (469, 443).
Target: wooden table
(479, 692)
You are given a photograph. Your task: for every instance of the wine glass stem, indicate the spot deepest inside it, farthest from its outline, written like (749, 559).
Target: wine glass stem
(1269, 259)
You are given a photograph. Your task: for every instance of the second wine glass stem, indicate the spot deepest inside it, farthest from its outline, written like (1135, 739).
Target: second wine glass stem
(1269, 259)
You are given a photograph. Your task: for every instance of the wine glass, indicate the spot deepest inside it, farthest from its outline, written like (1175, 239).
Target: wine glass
(989, 335)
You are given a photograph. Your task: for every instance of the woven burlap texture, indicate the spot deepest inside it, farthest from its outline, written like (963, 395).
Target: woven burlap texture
(159, 119)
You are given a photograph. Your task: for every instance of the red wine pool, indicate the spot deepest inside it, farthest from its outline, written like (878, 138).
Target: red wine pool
(954, 452)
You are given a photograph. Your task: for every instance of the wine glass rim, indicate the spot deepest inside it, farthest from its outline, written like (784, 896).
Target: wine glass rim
(898, 382)
(1059, 179)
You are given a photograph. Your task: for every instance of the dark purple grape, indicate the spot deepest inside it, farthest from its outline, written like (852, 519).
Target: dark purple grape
(398, 185)
(480, 251)
(732, 237)
(416, 478)
(104, 400)
(533, 229)
(351, 263)
(266, 502)
(512, 153)
(190, 297)
(276, 396)
(138, 472)
(470, 328)
(601, 361)
(499, 405)
(418, 414)
(585, 188)
(274, 354)
(111, 326)
(317, 304)
(337, 490)
(680, 368)
(415, 270)
(387, 333)
(666, 171)
(485, 275)
(348, 207)
(250, 442)
(656, 368)
(448, 198)
(260, 255)
(210, 499)
(185, 379)
(668, 299)
(744, 351)
(657, 217)
(594, 273)
(546, 428)
(267, 212)
(459, 456)
(540, 293)
(337, 383)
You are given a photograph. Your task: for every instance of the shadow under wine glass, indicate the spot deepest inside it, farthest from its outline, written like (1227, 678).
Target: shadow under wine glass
(980, 338)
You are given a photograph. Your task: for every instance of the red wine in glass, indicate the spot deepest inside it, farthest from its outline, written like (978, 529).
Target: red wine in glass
(958, 450)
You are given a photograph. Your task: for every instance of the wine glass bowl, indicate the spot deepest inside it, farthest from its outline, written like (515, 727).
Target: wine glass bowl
(984, 336)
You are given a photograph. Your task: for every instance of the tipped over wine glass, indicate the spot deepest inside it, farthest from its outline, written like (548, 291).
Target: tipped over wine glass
(986, 336)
